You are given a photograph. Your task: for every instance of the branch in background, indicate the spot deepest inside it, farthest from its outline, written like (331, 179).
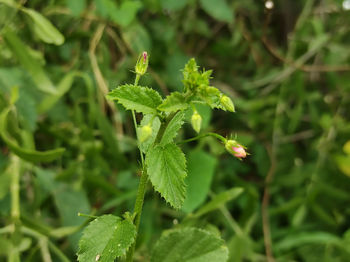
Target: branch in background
(101, 83)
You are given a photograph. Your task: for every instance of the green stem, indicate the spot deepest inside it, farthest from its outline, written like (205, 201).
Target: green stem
(140, 196)
(221, 138)
(138, 210)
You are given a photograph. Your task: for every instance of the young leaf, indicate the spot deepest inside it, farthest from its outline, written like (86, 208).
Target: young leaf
(189, 244)
(172, 128)
(43, 28)
(166, 167)
(106, 238)
(139, 98)
(173, 102)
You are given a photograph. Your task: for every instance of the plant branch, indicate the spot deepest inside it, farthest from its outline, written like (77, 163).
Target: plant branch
(221, 138)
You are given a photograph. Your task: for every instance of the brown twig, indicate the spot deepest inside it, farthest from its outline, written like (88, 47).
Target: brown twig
(101, 83)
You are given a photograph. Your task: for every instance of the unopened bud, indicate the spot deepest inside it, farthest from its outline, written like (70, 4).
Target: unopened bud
(236, 149)
(145, 133)
(142, 64)
(226, 102)
(196, 121)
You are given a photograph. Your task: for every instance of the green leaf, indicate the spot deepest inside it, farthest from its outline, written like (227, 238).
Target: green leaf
(219, 200)
(43, 28)
(172, 5)
(211, 95)
(106, 238)
(173, 127)
(33, 66)
(137, 37)
(166, 167)
(26, 154)
(173, 102)
(218, 9)
(62, 88)
(138, 98)
(189, 245)
(305, 238)
(201, 167)
(126, 13)
(76, 6)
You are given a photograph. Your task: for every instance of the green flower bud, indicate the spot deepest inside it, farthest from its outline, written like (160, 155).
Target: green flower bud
(145, 133)
(142, 64)
(226, 102)
(196, 121)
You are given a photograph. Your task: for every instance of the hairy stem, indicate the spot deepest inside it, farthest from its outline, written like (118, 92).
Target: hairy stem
(141, 190)
(221, 138)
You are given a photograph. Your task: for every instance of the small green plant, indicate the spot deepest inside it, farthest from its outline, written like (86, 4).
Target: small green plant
(163, 164)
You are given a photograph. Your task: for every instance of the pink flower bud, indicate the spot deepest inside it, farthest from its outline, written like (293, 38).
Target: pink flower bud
(144, 54)
(239, 152)
(236, 149)
(142, 64)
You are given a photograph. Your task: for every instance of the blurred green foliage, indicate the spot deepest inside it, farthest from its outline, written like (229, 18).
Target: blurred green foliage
(286, 69)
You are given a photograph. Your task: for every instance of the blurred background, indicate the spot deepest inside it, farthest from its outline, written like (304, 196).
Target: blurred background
(284, 63)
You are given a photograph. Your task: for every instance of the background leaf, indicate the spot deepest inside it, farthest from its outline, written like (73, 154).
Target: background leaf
(201, 167)
(218, 201)
(29, 63)
(43, 28)
(218, 9)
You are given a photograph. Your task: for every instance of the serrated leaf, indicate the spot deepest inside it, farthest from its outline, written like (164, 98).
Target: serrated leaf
(106, 238)
(189, 245)
(155, 127)
(173, 102)
(211, 95)
(139, 98)
(173, 127)
(43, 28)
(166, 168)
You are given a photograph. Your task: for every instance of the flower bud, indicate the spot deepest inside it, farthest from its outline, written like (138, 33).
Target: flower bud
(196, 121)
(145, 133)
(236, 149)
(226, 102)
(142, 64)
